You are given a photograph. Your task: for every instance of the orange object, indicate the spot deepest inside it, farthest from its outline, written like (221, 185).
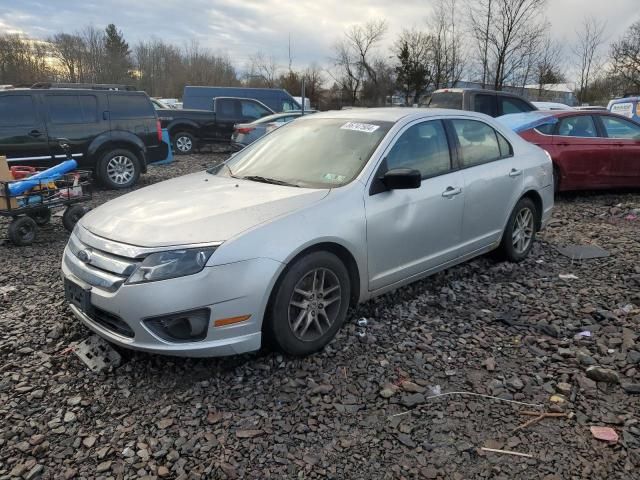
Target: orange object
(19, 172)
(607, 434)
(230, 321)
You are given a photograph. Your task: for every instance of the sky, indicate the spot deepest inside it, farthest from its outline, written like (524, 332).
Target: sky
(243, 27)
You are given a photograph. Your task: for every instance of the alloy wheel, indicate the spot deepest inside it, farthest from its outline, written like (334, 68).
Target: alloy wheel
(184, 144)
(523, 228)
(314, 304)
(120, 169)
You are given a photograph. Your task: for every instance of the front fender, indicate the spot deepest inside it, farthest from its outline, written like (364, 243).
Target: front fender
(119, 139)
(181, 123)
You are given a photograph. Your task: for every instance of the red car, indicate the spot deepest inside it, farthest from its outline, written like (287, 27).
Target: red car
(590, 149)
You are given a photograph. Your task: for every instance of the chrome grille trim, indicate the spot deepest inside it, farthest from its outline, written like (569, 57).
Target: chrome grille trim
(102, 260)
(92, 275)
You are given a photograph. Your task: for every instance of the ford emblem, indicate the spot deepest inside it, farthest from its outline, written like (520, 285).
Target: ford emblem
(84, 256)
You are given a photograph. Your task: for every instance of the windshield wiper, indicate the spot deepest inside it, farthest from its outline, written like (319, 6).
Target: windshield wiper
(273, 181)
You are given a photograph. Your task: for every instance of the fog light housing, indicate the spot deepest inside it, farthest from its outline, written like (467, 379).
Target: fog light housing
(182, 327)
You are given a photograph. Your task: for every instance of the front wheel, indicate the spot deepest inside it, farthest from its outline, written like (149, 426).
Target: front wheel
(310, 304)
(23, 231)
(71, 216)
(520, 233)
(119, 169)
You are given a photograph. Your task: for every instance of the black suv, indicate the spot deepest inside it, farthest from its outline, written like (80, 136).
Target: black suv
(489, 102)
(113, 130)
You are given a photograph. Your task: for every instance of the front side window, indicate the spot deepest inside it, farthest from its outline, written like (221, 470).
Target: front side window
(422, 147)
(577, 126)
(227, 107)
(17, 110)
(513, 105)
(253, 110)
(312, 153)
(72, 109)
(618, 128)
(478, 142)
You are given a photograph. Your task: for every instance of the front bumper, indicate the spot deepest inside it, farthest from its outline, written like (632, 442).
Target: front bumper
(231, 290)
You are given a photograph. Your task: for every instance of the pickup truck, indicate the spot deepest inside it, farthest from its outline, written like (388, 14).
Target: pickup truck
(189, 128)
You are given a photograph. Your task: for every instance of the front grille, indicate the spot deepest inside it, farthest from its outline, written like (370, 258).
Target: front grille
(111, 322)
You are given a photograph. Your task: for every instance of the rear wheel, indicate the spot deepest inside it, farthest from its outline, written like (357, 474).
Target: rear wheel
(556, 180)
(184, 143)
(23, 231)
(119, 169)
(71, 216)
(520, 233)
(310, 304)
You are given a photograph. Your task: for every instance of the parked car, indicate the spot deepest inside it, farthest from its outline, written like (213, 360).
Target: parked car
(591, 149)
(189, 128)
(202, 98)
(551, 106)
(628, 107)
(325, 212)
(489, 102)
(247, 133)
(116, 133)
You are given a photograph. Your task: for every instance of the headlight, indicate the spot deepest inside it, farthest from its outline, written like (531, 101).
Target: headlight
(172, 264)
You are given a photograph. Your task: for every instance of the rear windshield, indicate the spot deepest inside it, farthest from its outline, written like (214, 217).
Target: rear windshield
(446, 100)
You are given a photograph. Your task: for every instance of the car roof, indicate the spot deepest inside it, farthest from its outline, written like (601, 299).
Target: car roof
(394, 114)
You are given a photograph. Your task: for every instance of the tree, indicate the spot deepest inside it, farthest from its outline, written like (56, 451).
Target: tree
(263, 71)
(549, 63)
(414, 71)
(118, 63)
(70, 51)
(625, 59)
(447, 48)
(480, 19)
(23, 60)
(587, 52)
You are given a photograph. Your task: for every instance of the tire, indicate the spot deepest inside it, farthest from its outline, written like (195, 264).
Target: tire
(41, 216)
(119, 169)
(299, 324)
(516, 249)
(556, 180)
(184, 143)
(71, 216)
(23, 231)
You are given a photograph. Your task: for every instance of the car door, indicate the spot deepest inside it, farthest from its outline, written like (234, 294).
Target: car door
(492, 182)
(23, 134)
(73, 117)
(228, 113)
(623, 137)
(582, 155)
(412, 231)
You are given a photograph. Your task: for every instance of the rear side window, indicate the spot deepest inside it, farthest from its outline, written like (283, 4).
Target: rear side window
(446, 100)
(546, 129)
(253, 110)
(227, 107)
(70, 109)
(478, 142)
(422, 147)
(486, 104)
(513, 105)
(17, 110)
(288, 105)
(618, 128)
(578, 126)
(122, 107)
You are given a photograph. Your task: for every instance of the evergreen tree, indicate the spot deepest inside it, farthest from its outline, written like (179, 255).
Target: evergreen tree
(117, 55)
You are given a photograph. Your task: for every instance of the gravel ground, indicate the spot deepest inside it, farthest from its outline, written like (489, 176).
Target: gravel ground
(484, 327)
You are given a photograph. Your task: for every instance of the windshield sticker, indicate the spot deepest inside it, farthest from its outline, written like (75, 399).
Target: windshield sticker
(360, 127)
(334, 177)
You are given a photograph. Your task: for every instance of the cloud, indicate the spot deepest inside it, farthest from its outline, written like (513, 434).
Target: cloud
(241, 28)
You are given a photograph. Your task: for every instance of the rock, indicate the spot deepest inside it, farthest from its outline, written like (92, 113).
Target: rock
(600, 374)
(514, 383)
(214, 417)
(70, 473)
(410, 401)
(89, 442)
(564, 388)
(73, 401)
(165, 423)
(408, 386)
(585, 359)
(69, 417)
(103, 467)
(163, 471)
(565, 352)
(585, 384)
(37, 439)
(34, 472)
(388, 391)
(18, 470)
(558, 399)
(490, 364)
(406, 440)
(248, 433)
(632, 388)
(633, 357)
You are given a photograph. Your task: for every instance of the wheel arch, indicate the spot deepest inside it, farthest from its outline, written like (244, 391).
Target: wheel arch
(535, 197)
(136, 147)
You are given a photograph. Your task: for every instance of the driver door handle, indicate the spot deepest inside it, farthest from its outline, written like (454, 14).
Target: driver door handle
(451, 192)
(35, 133)
(515, 172)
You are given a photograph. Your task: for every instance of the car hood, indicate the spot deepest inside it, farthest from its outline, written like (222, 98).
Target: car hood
(196, 208)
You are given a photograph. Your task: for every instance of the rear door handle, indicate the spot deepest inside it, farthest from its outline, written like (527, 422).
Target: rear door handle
(515, 172)
(105, 115)
(35, 133)
(451, 192)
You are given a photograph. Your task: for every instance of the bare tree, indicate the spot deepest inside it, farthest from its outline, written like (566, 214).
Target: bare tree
(446, 44)
(482, 12)
(548, 64)
(625, 57)
(70, 51)
(264, 68)
(23, 60)
(587, 52)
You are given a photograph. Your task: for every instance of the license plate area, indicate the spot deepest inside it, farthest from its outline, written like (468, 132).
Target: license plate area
(78, 296)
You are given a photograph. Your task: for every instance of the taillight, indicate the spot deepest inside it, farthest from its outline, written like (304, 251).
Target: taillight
(245, 130)
(159, 130)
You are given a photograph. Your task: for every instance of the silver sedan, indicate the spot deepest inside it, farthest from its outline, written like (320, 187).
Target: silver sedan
(323, 213)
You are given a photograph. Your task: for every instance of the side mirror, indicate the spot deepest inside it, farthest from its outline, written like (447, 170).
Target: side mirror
(402, 179)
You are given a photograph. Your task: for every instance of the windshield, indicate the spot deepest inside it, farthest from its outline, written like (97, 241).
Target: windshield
(313, 153)
(446, 100)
